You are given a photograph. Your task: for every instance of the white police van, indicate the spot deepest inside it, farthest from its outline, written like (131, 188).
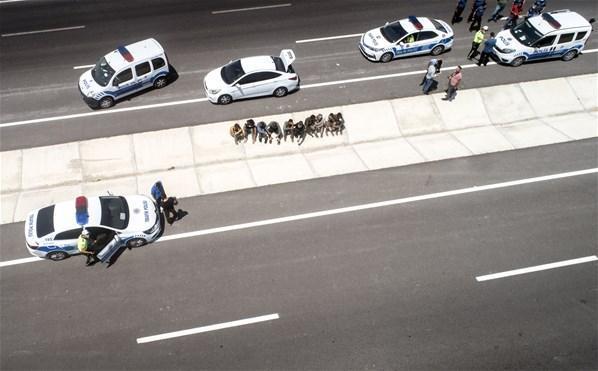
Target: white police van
(405, 37)
(124, 71)
(558, 34)
(112, 221)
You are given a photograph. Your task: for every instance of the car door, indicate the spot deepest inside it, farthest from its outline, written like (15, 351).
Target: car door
(426, 40)
(67, 240)
(256, 84)
(124, 83)
(543, 48)
(406, 45)
(564, 43)
(143, 73)
(110, 249)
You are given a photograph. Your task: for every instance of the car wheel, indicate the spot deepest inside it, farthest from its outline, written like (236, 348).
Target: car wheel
(160, 82)
(437, 50)
(280, 92)
(136, 242)
(517, 61)
(569, 55)
(386, 57)
(225, 99)
(57, 255)
(106, 102)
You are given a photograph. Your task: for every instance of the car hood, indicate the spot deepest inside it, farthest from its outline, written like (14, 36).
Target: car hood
(505, 39)
(142, 213)
(88, 86)
(213, 80)
(374, 39)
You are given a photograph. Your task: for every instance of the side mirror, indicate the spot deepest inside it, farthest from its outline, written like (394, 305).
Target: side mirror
(592, 20)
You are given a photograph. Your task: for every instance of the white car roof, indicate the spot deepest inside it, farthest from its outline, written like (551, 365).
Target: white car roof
(64, 214)
(261, 63)
(566, 19)
(140, 50)
(409, 27)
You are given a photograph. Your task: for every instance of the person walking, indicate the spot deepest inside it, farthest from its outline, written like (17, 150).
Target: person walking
(476, 4)
(516, 10)
(454, 81)
(429, 78)
(478, 38)
(477, 17)
(487, 50)
(500, 6)
(536, 8)
(458, 11)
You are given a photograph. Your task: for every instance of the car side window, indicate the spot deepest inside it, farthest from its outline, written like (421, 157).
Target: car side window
(72, 234)
(143, 69)
(566, 37)
(408, 39)
(262, 76)
(158, 63)
(124, 76)
(581, 35)
(249, 79)
(547, 41)
(426, 35)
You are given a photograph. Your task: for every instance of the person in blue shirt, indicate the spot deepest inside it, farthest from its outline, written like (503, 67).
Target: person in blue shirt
(477, 17)
(488, 48)
(458, 11)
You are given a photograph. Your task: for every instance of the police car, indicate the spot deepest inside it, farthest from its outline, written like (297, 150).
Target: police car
(405, 37)
(112, 221)
(252, 77)
(558, 34)
(123, 72)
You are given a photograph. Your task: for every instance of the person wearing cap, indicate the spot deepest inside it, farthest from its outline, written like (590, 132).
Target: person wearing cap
(477, 17)
(84, 243)
(487, 50)
(478, 38)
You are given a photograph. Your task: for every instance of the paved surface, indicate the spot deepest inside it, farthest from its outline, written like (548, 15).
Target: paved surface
(204, 159)
(37, 79)
(387, 288)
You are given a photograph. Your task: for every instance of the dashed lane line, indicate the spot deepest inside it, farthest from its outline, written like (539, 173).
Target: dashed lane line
(42, 31)
(251, 8)
(537, 268)
(349, 209)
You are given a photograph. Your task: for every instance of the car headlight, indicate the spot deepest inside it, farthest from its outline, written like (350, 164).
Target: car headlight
(508, 50)
(154, 228)
(213, 91)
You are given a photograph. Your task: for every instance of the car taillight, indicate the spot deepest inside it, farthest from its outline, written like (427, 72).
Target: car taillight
(293, 78)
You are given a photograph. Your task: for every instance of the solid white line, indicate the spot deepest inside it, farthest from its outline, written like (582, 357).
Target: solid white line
(252, 8)
(42, 31)
(85, 66)
(104, 112)
(328, 38)
(373, 205)
(537, 268)
(19, 261)
(197, 330)
(10, 1)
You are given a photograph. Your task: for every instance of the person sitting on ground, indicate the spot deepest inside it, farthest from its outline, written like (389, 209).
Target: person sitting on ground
(299, 132)
(250, 130)
(85, 246)
(274, 131)
(262, 132)
(289, 129)
(237, 133)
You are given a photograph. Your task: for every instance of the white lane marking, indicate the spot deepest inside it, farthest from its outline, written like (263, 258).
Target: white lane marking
(372, 205)
(85, 66)
(252, 8)
(42, 31)
(537, 268)
(8, 263)
(105, 112)
(198, 330)
(328, 38)
(118, 110)
(10, 1)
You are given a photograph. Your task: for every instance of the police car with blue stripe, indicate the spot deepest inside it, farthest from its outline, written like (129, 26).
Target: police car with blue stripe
(406, 37)
(558, 34)
(112, 222)
(124, 71)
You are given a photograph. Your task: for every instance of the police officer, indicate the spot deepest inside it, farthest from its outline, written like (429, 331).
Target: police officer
(478, 38)
(84, 243)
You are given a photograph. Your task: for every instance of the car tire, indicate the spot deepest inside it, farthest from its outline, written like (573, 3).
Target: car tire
(517, 61)
(569, 55)
(160, 82)
(136, 242)
(57, 255)
(106, 102)
(280, 92)
(437, 50)
(225, 99)
(386, 57)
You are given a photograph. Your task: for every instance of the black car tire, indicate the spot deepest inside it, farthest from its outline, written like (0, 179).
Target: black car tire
(280, 92)
(160, 82)
(225, 99)
(106, 102)
(136, 242)
(386, 57)
(437, 50)
(569, 55)
(517, 61)
(57, 255)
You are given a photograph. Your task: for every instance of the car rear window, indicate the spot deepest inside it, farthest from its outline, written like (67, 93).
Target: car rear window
(115, 212)
(438, 26)
(45, 221)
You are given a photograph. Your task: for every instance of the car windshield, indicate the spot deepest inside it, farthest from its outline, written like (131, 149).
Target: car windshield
(102, 72)
(526, 34)
(231, 72)
(393, 32)
(115, 212)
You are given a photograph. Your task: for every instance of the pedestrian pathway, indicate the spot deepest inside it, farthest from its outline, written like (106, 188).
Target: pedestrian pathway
(204, 159)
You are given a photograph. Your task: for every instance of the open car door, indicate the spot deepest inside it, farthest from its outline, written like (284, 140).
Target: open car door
(288, 57)
(110, 249)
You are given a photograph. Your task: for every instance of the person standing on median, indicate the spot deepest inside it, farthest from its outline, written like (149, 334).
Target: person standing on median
(487, 51)
(430, 74)
(478, 38)
(453, 84)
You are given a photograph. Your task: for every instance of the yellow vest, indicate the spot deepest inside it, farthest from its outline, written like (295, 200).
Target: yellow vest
(478, 37)
(82, 244)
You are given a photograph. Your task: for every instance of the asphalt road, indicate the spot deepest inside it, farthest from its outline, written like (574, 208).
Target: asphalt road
(385, 288)
(37, 79)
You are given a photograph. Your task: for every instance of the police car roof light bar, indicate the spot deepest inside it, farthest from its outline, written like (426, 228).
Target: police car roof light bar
(126, 54)
(415, 22)
(551, 21)
(81, 214)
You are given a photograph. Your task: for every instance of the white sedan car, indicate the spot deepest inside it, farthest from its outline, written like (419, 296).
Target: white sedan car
(252, 77)
(409, 36)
